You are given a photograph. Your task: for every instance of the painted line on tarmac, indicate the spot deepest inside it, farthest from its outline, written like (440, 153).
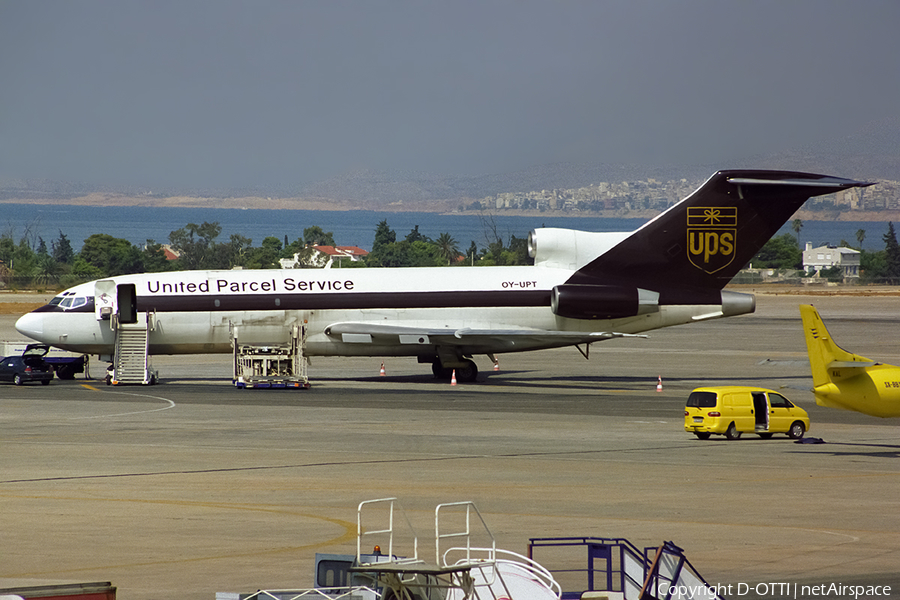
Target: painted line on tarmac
(171, 404)
(345, 463)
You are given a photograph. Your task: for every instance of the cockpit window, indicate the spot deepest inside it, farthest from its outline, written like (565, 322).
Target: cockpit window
(60, 300)
(71, 302)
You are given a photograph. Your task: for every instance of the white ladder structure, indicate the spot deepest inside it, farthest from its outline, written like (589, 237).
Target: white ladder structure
(131, 364)
(463, 572)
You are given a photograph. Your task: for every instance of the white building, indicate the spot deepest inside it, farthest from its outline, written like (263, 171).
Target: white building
(825, 257)
(323, 257)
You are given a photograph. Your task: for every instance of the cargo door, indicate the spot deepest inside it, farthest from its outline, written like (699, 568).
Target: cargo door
(126, 300)
(761, 411)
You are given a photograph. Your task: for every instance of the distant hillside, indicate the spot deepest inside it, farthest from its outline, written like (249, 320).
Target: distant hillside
(381, 189)
(872, 154)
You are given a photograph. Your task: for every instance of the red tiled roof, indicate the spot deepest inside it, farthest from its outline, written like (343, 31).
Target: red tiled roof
(341, 250)
(354, 250)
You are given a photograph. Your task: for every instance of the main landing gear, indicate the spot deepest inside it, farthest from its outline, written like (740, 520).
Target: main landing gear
(466, 370)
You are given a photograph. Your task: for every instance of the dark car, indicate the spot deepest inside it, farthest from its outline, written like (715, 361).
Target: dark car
(30, 366)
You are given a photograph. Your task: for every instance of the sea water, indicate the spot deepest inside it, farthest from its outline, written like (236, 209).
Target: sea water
(349, 228)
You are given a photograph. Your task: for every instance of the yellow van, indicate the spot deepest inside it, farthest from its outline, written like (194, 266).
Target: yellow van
(732, 410)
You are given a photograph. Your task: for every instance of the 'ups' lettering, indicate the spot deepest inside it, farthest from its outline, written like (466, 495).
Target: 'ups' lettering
(711, 232)
(710, 243)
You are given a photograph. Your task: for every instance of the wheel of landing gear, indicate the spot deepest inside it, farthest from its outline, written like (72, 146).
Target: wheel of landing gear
(467, 373)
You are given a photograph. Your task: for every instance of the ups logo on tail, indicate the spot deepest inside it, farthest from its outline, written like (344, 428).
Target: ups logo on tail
(711, 233)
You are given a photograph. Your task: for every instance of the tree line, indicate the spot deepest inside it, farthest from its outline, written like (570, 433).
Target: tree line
(876, 267)
(31, 263)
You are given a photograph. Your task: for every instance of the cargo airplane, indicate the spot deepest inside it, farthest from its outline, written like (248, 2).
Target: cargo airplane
(845, 380)
(584, 287)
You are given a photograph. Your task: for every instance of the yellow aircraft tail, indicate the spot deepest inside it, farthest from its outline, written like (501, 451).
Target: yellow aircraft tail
(826, 359)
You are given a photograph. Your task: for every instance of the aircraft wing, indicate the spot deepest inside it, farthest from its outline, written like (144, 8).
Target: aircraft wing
(370, 333)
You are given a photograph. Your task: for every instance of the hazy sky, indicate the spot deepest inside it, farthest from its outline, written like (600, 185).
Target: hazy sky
(256, 94)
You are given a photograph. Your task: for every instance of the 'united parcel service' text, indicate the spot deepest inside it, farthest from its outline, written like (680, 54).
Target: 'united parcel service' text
(218, 286)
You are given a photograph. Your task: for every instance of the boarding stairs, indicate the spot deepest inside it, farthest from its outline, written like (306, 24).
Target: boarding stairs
(475, 569)
(131, 362)
(616, 569)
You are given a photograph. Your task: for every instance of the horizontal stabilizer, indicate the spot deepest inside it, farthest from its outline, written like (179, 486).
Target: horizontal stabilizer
(833, 183)
(849, 364)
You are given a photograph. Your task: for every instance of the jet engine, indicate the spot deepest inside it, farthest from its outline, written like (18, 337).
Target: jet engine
(575, 301)
(569, 248)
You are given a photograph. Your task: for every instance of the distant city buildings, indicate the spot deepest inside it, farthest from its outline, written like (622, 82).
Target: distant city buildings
(636, 196)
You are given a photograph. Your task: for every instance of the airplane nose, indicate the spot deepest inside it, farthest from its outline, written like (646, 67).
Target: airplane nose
(31, 325)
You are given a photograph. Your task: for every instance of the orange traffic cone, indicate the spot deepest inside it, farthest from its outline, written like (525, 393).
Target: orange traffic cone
(453, 377)
(659, 384)
(382, 369)
(496, 365)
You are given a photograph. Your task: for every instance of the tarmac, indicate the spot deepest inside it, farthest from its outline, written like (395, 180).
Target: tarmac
(193, 487)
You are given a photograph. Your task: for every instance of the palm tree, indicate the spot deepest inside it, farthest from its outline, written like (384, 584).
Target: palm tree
(860, 237)
(797, 225)
(447, 248)
(46, 272)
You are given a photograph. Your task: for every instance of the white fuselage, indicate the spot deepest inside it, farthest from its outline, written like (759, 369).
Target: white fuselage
(195, 311)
